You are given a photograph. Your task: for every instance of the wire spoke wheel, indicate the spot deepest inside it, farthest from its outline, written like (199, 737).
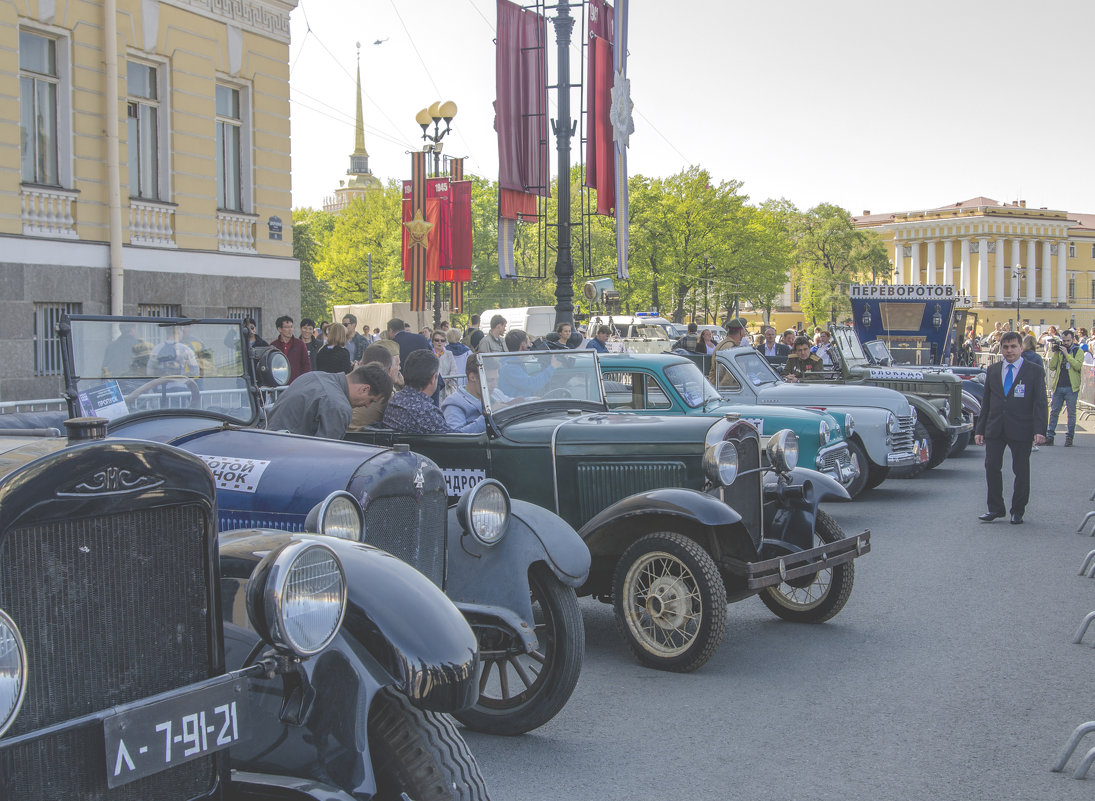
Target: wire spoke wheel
(818, 597)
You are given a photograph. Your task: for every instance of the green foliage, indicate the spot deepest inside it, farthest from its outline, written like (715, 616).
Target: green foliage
(310, 231)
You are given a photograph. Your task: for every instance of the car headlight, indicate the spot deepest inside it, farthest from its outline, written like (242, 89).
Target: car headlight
(849, 425)
(720, 463)
(13, 671)
(824, 432)
(782, 450)
(296, 597)
(339, 515)
(484, 511)
(893, 423)
(271, 366)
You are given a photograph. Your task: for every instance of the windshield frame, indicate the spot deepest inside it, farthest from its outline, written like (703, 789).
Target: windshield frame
(712, 397)
(749, 353)
(72, 380)
(847, 342)
(496, 412)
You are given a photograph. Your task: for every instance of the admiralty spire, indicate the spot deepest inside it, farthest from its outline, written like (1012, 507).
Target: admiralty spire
(360, 178)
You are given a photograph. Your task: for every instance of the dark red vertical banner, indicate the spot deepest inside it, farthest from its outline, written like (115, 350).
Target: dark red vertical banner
(419, 239)
(456, 169)
(456, 297)
(604, 168)
(598, 98)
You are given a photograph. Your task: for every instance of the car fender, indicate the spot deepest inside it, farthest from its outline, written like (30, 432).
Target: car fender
(824, 486)
(929, 414)
(533, 535)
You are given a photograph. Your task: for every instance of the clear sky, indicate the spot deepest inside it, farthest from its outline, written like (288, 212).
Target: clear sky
(870, 104)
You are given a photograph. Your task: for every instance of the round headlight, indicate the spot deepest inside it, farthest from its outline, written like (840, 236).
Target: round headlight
(849, 425)
(339, 515)
(893, 423)
(279, 368)
(13, 671)
(720, 463)
(824, 432)
(271, 366)
(484, 510)
(782, 450)
(297, 596)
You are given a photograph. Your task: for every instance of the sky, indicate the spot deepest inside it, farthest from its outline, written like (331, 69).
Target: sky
(874, 105)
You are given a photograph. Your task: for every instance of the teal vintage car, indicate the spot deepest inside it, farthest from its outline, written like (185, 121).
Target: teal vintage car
(680, 513)
(668, 384)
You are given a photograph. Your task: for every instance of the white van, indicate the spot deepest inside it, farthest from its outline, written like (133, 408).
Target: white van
(536, 321)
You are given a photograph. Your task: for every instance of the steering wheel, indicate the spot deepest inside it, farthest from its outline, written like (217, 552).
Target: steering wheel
(144, 389)
(561, 392)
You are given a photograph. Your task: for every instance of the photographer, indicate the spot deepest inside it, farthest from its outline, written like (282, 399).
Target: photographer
(1064, 379)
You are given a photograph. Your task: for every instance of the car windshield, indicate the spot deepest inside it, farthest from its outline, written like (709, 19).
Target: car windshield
(515, 379)
(650, 332)
(125, 366)
(878, 352)
(690, 383)
(756, 369)
(851, 351)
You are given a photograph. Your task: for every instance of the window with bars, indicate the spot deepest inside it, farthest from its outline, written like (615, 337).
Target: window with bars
(159, 310)
(245, 312)
(47, 344)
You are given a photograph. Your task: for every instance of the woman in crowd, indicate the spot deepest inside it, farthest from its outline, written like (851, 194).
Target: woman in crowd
(333, 357)
(447, 364)
(1030, 351)
(706, 343)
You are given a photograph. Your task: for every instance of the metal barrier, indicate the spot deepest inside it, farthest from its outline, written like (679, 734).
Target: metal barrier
(41, 405)
(1085, 401)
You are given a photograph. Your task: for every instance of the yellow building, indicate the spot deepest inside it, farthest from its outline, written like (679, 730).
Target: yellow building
(148, 168)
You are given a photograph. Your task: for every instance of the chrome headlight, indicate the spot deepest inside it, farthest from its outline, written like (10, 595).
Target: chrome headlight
(339, 515)
(13, 671)
(849, 425)
(893, 423)
(720, 463)
(824, 432)
(297, 596)
(484, 511)
(271, 366)
(782, 450)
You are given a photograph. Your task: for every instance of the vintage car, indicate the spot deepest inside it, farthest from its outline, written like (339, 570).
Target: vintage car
(509, 566)
(884, 420)
(679, 513)
(141, 655)
(670, 384)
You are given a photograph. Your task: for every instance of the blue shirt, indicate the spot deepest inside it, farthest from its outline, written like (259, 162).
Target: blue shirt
(464, 412)
(597, 345)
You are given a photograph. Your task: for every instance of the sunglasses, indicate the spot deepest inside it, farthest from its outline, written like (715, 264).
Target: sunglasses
(439, 339)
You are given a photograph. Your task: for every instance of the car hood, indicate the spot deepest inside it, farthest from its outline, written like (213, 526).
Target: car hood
(16, 451)
(811, 394)
(611, 427)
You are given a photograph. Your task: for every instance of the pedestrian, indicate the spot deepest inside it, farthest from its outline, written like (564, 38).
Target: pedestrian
(333, 357)
(735, 333)
(1013, 415)
(493, 342)
(407, 341)
(1065, 368)
(296, 352)
(599, 339)
(446, 362)
(355, 343)
(771, 349)
(253, 338)
(473, 326)
(411, 410)
(706, 343)
(689, 340)
(321, 404)
(1030, 351)
(309, 338)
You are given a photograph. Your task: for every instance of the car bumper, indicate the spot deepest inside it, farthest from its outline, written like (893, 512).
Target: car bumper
(837, 461)
(769, 572)
(902, 458)
(960, 428)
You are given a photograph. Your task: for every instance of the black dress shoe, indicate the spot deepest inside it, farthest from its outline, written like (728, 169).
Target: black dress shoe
(1016, 519)
(988, 517)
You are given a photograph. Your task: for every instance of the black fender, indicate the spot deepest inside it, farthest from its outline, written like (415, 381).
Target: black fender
(479, 577)
(790, 509)
(824, 485)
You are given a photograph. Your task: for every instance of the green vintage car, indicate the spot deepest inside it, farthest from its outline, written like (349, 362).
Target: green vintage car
(679, 513)
(668, 384)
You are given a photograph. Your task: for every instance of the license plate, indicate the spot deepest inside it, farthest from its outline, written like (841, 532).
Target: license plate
(160, 735)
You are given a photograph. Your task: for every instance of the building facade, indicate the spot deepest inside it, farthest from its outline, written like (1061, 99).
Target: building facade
(149, 168)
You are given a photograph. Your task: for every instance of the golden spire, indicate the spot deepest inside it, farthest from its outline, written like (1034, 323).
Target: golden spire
(359, 127)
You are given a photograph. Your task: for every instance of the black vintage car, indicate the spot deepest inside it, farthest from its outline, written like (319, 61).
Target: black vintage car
(139, 652)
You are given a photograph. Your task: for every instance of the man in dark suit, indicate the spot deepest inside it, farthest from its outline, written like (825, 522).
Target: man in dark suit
(775, 352)
(1013, 415)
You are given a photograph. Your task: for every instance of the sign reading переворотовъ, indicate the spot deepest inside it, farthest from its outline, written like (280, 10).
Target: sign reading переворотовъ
(907, 292)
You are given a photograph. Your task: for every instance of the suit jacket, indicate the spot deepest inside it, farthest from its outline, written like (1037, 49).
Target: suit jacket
(1021, 413)
(782, 351)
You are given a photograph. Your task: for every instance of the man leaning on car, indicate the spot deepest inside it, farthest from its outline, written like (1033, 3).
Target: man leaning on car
(320, 404)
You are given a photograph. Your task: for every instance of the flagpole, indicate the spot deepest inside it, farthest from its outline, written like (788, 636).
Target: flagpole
(564, 264)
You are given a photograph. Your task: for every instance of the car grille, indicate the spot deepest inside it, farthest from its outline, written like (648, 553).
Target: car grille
(836, 458)
(120, 609)
(601, 484)
(411, 528)
(902, 441)
(744, 495)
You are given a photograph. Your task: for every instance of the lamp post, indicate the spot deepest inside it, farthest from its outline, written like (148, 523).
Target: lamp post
(1017, 273)
(441, 110)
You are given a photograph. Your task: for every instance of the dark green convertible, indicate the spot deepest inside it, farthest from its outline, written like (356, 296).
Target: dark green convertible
(679, 513)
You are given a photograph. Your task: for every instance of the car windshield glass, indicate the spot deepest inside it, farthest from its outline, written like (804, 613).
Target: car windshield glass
(878, 351)
(851, 351)
(650, 332)
(756, 369)
(694, 389)
(125, 366)
(513, 379)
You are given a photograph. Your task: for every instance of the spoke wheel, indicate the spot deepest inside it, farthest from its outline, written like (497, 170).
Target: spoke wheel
(670, 602)
(521, 691)
(816, 598)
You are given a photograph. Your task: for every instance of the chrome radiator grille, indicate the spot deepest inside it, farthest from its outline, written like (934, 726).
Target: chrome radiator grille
(744, 495)
(411, 528)
(836, 458)
(119, 604)
(903, 439)
(601, 484)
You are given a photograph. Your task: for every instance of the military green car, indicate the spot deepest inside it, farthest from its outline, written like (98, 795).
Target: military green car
(679, 513)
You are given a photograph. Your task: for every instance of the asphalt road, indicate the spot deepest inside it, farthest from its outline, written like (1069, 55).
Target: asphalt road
(950, 674)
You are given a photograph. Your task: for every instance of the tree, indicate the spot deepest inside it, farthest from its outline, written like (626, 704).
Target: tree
(311, 228)
(830, 255)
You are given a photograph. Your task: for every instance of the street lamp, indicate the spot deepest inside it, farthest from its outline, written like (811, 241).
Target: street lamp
(1017, 273)
(441, 110)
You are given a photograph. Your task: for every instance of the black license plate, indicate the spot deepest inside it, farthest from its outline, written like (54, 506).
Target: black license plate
(152, 738)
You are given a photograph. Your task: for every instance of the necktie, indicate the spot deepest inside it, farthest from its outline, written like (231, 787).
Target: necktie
(1009, 378)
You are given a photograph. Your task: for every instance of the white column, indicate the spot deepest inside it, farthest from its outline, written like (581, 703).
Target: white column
(1062, 271)
(999, 277)
(1015, 262)
(982, 269)
(898, 261)
(1047, 271)
(948, 262)
(1032, 273)
(964, 276)
(914, 270)
(932, 277)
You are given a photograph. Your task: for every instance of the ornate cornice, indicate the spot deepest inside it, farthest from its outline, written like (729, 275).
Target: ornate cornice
(266, 17)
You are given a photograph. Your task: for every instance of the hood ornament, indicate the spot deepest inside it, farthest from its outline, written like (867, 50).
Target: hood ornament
(111, 481)
(419, 479)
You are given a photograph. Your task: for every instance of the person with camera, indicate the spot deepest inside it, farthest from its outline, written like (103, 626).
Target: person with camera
(1064, 378)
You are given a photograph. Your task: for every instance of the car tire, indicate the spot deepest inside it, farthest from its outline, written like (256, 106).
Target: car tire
(859, 483)
(876, 475)
(519, 692)
(420, 754)
(825, 594)
(960, 444)
(941, 446)
(920, 434)
(670, 602)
